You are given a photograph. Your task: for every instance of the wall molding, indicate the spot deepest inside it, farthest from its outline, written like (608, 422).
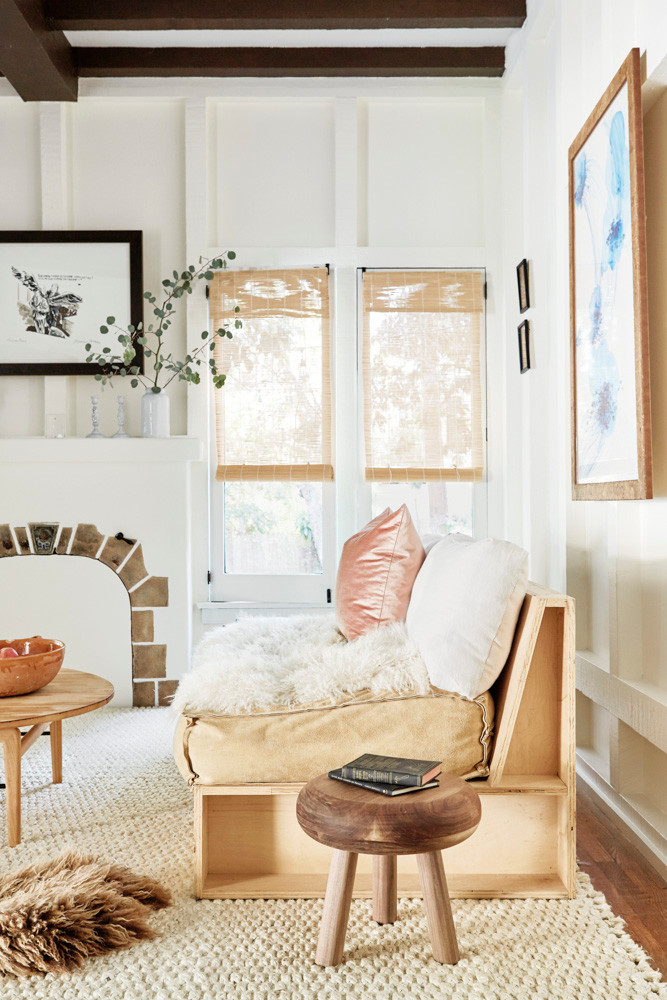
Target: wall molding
(622, 814)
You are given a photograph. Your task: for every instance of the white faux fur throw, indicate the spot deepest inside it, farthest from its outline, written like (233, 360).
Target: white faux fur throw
(260, 664)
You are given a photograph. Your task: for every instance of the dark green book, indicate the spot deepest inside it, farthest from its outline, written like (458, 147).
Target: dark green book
(391, 770)
(380, 786)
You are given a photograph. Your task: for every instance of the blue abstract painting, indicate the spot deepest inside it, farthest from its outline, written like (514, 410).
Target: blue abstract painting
(606, 405)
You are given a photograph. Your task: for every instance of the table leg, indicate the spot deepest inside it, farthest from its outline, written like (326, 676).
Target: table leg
(384, 888)
(336, 908)
(11, 740)
(56, 729)
(438, 908)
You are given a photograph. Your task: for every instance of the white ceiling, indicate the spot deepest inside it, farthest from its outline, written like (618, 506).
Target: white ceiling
(290, 38)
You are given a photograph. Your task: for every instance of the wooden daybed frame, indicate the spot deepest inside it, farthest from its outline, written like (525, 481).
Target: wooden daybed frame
(248, 843)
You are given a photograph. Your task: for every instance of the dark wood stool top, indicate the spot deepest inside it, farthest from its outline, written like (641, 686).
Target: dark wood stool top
(354, 819)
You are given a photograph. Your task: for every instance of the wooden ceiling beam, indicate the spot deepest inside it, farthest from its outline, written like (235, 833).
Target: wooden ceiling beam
(35, 58)
(289, 62)
(164, 15)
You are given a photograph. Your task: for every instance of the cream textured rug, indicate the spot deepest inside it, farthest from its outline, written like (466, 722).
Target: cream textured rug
(122, 799)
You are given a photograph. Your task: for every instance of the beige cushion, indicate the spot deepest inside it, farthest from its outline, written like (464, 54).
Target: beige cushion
(296, 745)
(464, 608)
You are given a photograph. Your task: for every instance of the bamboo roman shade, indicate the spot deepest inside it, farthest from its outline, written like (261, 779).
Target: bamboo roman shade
(273, 415)
(422, 372)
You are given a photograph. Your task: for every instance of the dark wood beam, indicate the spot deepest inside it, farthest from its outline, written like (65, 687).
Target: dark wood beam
(125, 15)
(35, 58)
(273, 62)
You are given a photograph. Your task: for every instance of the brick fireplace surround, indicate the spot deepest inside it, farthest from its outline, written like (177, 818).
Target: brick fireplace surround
(124, 557)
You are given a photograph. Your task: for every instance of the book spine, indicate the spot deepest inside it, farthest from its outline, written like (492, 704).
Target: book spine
(385, 777)
(360, 784)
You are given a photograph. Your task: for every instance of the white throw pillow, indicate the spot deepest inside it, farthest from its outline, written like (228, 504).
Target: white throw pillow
(464, 608)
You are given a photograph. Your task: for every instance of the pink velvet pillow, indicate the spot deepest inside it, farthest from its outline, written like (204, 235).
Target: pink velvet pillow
(376, 572)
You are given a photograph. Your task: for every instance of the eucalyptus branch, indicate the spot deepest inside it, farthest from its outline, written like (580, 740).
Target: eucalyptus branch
(132, 338)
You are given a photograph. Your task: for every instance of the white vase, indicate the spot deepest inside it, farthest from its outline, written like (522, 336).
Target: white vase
(155, 414)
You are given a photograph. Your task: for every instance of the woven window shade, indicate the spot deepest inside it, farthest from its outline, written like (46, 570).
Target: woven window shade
(274, 413)
(422, 375)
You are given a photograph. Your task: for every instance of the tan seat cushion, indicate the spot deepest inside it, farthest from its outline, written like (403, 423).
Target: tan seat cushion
(298, 744)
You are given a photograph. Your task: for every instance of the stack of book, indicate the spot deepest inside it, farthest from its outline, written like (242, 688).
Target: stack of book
(389, 775)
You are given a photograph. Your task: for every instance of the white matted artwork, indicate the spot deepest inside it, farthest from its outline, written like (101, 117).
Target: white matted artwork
(610, 404)
(56, 289)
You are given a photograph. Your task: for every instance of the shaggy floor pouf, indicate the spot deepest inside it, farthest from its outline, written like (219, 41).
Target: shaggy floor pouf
(55, 914)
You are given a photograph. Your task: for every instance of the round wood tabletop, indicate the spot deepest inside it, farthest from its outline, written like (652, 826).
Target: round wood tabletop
(71, 692)
(354, 819)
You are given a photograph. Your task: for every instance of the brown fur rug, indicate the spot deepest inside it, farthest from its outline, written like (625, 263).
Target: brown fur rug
(55, 914)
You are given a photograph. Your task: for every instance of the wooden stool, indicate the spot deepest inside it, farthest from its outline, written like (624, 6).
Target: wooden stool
(354, 821)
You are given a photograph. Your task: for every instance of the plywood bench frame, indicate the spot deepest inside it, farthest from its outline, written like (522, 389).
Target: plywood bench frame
(248, 843)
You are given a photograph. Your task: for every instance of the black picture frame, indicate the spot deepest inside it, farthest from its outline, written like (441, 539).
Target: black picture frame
(523, 331)
(24, 279)
(523, 285)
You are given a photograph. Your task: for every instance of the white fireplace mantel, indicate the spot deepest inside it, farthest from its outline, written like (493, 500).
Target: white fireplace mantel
(90, 450)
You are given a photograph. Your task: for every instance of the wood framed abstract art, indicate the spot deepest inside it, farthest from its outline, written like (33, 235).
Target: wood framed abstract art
(56, 289)
(611, 407)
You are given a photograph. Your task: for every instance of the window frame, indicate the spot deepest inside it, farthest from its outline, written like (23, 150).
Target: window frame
(346, 500)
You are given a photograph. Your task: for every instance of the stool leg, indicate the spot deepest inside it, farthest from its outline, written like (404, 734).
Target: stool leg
(384, 888)
(11, 738)
(438, 909)
(56, 729)
(336, 908)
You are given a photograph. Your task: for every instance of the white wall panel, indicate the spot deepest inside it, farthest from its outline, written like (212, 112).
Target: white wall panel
(21, 399)
(272, 177)
(426, 173)
(127, 172)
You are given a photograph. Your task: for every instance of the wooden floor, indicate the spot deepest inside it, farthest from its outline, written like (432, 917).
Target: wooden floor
(633, 888)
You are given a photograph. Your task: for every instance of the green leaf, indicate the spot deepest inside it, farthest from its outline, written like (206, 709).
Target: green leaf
(104, 329)
(89, 347)
(111, 320)
(208, 275)
(237, 309)
(231, 255)
(230, 334)
(166, 282)
(106, 350)
(130, 328)
(141, 340)
(98, 378)
(134, 383)
(204, 335)
(175, 273)
(147, 295)
(191, 269)
(156, 388)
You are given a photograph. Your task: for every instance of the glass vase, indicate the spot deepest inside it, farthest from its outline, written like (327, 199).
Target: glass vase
(155, 414)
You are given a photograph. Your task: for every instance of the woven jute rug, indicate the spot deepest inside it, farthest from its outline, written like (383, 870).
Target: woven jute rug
(123, 800)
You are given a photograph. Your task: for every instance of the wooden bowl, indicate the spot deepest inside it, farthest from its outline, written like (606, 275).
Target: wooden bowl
(38, 662)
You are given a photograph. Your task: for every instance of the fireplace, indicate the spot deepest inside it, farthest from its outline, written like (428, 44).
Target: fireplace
(123, 557)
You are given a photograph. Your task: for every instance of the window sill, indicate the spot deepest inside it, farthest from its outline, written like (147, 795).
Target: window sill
(226, 612)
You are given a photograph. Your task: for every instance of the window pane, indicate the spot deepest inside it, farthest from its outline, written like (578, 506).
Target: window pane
(435, 508)
(273, 528)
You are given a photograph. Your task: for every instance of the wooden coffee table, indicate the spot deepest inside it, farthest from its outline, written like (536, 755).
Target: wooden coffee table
(355, 821)
(70, 693)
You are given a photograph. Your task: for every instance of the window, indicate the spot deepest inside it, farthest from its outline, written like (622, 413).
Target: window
(413, 413)
(422, 384)
(273, 433)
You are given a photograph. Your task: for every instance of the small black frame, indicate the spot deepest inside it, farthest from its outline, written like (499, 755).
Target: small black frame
(523, 331)
(523, 285)
(133, 238)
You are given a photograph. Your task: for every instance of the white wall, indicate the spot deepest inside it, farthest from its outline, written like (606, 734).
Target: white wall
(610, 556)
(350, 173)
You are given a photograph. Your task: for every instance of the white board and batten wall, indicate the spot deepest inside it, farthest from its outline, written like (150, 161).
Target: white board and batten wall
(611, 556)
(345, 173)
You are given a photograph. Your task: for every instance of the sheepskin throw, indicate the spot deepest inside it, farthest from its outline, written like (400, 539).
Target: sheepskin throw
(260, 664)
(55, 914)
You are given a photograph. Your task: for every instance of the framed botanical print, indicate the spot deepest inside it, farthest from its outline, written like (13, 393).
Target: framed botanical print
(56, 288)
(611, 410)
